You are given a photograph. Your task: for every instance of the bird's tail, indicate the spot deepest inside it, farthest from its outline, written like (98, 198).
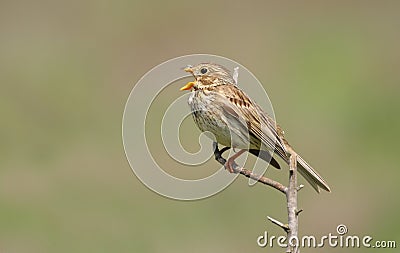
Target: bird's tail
(311, 175)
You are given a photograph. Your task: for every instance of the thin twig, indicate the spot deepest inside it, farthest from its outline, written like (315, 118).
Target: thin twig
(247, 173)
(267, 181)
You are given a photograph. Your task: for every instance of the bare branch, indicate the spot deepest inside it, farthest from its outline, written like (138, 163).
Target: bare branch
(247, 173)
(291, 192)
(291, 196)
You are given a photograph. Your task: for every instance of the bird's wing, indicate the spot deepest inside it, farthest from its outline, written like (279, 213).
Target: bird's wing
(237, 105)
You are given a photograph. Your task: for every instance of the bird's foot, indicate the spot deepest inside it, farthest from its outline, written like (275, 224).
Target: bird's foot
(218, 153)
(229, 165)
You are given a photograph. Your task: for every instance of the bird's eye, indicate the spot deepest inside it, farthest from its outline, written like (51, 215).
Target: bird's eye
(203, 70)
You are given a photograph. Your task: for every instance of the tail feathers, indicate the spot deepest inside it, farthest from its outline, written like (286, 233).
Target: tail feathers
(311, 175)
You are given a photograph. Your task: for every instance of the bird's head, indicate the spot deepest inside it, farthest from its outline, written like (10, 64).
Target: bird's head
(208, 75)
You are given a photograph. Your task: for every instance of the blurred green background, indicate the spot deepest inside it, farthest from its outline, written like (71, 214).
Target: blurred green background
(331, 70)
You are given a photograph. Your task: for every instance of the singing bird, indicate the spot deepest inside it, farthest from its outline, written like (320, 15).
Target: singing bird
(220, 107)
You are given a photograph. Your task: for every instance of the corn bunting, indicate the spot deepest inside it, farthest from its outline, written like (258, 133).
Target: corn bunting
(220, 107)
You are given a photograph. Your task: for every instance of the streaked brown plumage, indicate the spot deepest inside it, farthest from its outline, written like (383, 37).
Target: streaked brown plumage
(220, 107)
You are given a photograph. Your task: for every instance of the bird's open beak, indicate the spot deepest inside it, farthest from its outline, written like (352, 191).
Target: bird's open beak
(188, 86)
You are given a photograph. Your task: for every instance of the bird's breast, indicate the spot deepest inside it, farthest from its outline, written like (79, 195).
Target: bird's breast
(208, 116)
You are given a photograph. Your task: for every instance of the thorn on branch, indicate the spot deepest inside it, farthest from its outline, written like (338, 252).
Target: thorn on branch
(279, 224)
